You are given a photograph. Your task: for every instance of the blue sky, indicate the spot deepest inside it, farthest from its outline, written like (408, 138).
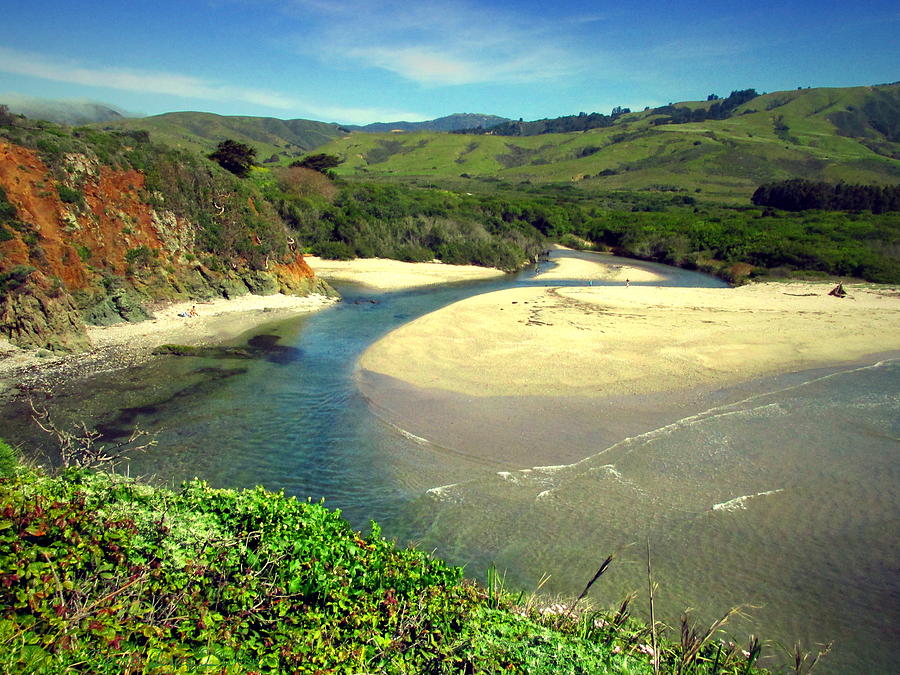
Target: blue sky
(355, 61)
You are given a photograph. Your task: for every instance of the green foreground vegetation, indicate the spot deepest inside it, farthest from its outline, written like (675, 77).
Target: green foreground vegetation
(101, 573)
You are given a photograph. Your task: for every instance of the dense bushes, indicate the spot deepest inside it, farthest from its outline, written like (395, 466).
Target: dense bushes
(838, 244)
(412, 224)
(103, 574)
(112, 572)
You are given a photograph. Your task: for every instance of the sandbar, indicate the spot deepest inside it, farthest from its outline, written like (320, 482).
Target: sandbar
(597, 267)
(604, 341)
(393, 275)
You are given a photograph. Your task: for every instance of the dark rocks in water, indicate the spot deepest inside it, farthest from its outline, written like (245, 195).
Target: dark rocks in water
(258, 347)
(267, 347)
(215, 352)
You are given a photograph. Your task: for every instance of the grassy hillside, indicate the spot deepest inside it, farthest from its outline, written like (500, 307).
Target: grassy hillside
(846, 134)
(201, 132)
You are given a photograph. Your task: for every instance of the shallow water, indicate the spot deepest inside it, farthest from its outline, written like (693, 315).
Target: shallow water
(803, 469)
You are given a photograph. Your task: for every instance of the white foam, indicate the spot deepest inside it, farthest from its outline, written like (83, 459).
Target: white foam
(445, 493)
(740, 503)
(552, 468)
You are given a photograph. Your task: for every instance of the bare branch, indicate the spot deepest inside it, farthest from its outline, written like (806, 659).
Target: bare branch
(82, 448)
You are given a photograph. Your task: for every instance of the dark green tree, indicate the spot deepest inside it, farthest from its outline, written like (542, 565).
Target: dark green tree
(6, 117)
(234, 157)
(321, 162)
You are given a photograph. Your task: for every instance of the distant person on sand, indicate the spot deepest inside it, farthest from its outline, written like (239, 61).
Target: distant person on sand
(627, 283)
(193, 311)
(838, 291)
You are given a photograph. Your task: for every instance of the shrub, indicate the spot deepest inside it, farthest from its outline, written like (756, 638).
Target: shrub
(414, 253)
(69, 195)
(7, 459)
(140, 256)
(334, 250)
(9, 281)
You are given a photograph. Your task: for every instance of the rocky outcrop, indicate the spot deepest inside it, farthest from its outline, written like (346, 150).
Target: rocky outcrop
(35, 312)
(83, 242)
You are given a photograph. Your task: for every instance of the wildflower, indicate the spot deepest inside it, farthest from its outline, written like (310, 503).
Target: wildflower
(617, 649)
(646, 649)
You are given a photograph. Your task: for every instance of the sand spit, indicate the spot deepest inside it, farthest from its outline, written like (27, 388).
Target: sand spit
(393, 275)
(598, 268)
(613, 341)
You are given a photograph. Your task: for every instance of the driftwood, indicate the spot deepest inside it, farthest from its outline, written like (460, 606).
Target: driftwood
(838, 291)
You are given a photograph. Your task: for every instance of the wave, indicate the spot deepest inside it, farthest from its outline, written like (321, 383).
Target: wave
(740, 503)
(525, 477)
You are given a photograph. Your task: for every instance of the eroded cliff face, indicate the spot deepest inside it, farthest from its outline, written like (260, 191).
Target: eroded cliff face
(89, 246)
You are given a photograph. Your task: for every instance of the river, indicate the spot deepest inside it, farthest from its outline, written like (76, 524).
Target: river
(780, 493)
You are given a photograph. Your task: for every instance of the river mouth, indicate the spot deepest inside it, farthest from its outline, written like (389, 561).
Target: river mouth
(805, 479)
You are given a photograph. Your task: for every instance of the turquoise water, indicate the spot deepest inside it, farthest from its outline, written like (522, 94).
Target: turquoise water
(781, 493)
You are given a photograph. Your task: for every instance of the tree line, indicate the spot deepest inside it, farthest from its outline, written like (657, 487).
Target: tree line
(721, 109)
(797, 194)
(558, 125)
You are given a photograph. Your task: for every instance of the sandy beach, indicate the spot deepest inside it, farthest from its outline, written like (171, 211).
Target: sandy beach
(126, 344)
(598, 267)
(614, 341)
(393, 275)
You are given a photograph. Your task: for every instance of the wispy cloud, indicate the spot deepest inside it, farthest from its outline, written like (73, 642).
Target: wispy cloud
(452, 42)
(177, 84)
(174, 84)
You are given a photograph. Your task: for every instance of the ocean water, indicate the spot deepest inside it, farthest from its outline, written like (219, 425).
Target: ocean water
(780, 493)
(784, 501)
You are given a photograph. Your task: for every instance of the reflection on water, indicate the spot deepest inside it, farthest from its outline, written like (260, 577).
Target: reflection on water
(782, 494)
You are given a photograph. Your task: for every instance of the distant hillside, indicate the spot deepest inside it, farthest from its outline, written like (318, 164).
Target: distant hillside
(273, 139)
(454, 122)
(832, 135)
(70, 112)
(718, 109)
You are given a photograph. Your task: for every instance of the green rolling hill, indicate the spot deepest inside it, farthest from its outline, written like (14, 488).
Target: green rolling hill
(285, 140)
(849, 134)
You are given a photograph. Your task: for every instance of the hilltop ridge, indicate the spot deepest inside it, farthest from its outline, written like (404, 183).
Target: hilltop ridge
(454, 122)
(848, 134)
